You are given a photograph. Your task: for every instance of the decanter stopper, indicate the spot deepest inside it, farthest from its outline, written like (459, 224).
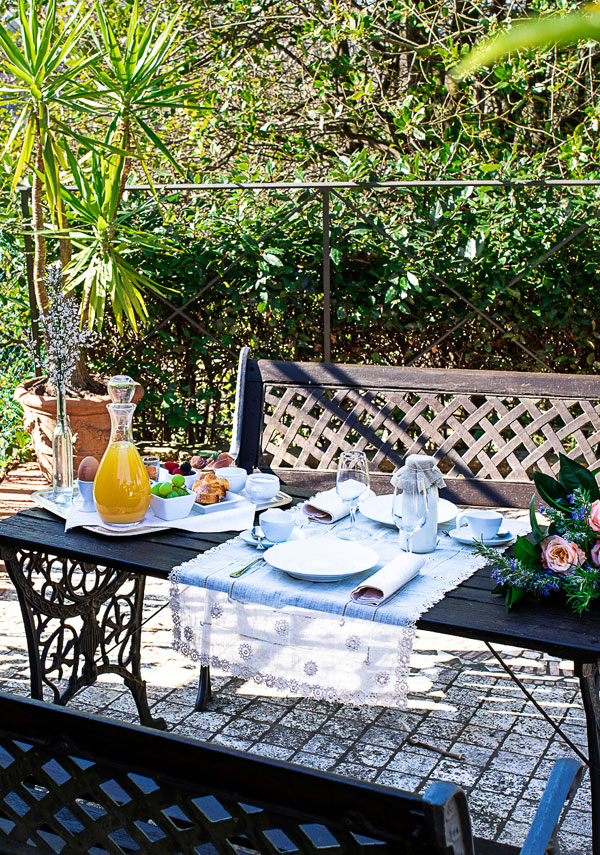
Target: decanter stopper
(121, 389)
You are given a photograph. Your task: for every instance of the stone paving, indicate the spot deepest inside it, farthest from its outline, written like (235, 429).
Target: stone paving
(460, 700)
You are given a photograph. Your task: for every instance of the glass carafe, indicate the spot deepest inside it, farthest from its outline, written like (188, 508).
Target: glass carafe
(121, 485)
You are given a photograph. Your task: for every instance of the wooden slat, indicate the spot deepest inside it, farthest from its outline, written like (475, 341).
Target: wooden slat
(426, 379)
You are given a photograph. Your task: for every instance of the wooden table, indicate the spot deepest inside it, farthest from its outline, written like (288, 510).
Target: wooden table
(81, 597)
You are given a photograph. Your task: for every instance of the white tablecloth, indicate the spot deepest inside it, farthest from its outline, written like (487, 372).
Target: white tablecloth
(309, 638)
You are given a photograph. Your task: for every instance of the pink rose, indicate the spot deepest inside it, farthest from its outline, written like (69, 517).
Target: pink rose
(595, 554)
(594, 517)
(560, 555)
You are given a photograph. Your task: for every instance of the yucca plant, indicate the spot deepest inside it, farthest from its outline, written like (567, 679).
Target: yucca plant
(81, 65)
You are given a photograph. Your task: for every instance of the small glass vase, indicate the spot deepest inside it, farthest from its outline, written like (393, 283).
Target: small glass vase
(62, 454)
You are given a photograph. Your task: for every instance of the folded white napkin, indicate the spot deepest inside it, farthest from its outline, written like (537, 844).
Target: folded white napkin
(389, 579)
(237, 519)
(327, 507)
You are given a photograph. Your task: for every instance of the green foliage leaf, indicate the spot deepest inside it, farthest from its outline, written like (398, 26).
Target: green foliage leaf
(573, 475)
(527, 552)
(551, 491)
(536, 533)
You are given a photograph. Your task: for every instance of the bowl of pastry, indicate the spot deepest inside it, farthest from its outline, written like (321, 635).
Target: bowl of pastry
(213, 493)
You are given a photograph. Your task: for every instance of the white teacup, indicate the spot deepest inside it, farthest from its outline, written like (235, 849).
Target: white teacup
(277, 524)
(482, 524)
(235, 475)
(262, 487)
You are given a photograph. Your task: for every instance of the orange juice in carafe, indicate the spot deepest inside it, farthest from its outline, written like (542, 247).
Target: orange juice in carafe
(121, 485)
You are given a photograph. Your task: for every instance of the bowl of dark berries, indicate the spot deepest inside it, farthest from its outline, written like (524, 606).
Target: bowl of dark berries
(170, 468)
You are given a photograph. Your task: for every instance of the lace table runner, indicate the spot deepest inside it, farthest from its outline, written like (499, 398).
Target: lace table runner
(310, 638)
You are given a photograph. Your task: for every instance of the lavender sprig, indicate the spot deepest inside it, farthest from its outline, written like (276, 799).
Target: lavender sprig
(511, 572)
(64, 337)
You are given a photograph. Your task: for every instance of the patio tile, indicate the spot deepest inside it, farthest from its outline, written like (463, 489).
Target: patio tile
(577, 822)
(474, 754)
(506, 783)
(245, 728)
(513, 832)
(330, 746)
(520, 764)
(262, 711)
(313, 761)
(275, 752)
(409, 783)
(356, 770)
(286, 737)
(346, 728)
(575, 844)
(383, 736)
(369, 755)
(231, 742)
(455, 772)
(209, 720)
(304, 719)
(411, 764)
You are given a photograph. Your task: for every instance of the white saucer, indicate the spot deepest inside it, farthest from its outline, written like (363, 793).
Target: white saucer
(252, 541)
(462, 535)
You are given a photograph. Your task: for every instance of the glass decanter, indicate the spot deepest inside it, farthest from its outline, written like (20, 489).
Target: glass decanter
(121, 485)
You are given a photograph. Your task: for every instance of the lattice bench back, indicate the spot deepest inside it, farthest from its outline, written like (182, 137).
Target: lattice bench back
(489, 430)
(80, 784)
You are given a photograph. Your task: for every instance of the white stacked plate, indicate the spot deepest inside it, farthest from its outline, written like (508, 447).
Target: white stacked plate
(379, 509)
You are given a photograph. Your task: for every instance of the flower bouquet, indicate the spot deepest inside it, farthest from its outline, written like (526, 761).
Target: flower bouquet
(563, 556)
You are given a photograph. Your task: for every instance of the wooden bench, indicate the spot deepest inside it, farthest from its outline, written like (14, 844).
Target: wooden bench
(488, 429)
(75, 783)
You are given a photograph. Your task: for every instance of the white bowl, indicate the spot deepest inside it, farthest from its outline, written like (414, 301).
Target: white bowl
(172, 509)
(235, 475)
(262, 487)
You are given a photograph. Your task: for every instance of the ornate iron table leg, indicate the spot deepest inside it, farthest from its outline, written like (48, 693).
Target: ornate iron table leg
(81, 620)
(204, 693)
(589, 681)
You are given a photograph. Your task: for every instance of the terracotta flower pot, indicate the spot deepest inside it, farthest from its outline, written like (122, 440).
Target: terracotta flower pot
(88, 417)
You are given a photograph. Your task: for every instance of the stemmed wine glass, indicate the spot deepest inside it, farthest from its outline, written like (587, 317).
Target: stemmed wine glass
(409, 509)
(352, 481)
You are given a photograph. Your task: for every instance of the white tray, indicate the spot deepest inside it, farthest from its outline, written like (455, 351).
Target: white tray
(44, 498)
(276, 502)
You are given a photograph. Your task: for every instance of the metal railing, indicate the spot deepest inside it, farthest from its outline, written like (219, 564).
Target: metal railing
(343, 191)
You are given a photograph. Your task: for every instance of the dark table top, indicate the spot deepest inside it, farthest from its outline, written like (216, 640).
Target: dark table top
(470, 610)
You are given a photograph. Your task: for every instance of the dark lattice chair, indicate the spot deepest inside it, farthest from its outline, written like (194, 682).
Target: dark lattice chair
(488, 430)
(74, 783)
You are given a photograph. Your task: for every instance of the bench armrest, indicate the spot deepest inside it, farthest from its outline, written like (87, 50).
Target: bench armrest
(561, 787)
(448, 818)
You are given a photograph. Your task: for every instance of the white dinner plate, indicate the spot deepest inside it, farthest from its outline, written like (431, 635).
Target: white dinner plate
(379, 509)
(321, 559)
(462, 535)
(230, 501)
